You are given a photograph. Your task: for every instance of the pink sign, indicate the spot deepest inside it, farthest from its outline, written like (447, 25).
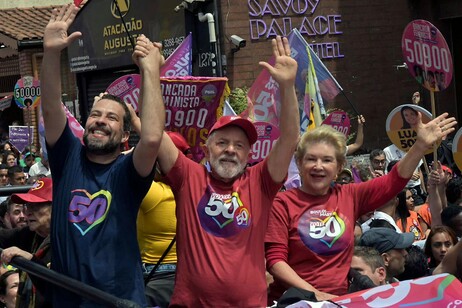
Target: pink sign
(27, 92)
(267, 136)
(127, 88)
(433, 291)
(340, 121)
(192, 106)
(427, 55)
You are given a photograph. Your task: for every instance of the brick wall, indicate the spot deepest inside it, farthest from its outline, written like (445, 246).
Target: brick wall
(371, 43)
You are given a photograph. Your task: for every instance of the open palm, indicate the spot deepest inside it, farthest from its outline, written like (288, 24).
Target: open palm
(55, 36)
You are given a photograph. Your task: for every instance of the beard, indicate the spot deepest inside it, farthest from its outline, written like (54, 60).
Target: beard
(229, 169)
(98, 147)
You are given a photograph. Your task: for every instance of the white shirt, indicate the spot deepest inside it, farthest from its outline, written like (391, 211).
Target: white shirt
(380, 215)
(393, 153)
(39, 168)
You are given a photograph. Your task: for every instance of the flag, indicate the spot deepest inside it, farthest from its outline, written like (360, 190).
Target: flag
(313, 104)
(179, 63)
(311, 68)
(328, 86)
(263, 99)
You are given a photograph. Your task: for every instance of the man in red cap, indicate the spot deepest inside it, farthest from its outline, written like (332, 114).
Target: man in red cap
(223, 213)
(38, 202)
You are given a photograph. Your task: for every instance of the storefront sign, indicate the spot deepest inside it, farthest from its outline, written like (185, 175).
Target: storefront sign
(278, 17)
(107, 38)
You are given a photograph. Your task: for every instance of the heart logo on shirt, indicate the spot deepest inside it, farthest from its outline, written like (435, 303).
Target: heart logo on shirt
(87, 211)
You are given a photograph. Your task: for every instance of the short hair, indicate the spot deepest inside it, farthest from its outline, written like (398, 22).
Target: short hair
(127, 116)
(3, 208)
(14, 169)
(391, 165)
(323, 134)
(449, 213)
(370, 256)
(454, 190)
(374, 153)
(381, 223)
(3, 166)
(416, 264)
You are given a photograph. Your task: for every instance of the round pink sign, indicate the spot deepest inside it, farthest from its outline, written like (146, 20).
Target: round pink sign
(339, 120)
(127, 88)
(27, 92)
(267, 136)
(427, 55)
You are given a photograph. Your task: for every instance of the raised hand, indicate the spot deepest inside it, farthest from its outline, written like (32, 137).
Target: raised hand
(147, 53)
(284, 69)
(434, 131)
(55, 37)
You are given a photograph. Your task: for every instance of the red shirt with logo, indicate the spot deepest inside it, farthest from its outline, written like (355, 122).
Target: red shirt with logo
(220, 236)
(314, 234)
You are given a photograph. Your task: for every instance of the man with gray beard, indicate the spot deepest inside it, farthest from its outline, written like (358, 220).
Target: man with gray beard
(222, 214)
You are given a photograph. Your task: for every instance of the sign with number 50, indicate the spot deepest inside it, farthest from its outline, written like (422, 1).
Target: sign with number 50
(427, 55)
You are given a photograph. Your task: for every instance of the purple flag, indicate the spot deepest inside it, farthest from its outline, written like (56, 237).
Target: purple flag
(179, 62)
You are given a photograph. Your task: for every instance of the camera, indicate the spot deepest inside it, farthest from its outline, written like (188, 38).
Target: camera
(238, 41)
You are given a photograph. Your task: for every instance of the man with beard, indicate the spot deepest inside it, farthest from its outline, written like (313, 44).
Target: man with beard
(223, 213)
(14, 215)
(98, 191)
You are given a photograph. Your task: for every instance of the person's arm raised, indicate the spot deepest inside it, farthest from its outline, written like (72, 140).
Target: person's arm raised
(351, 148)
(284, 72)
(55, 39)
(148, 57)
(427, 135)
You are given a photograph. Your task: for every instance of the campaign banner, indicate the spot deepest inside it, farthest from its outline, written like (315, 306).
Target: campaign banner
(127, 88)
(74, 125)
(267, 136)
(27, 92)
(401, 124)
(339, 120)
(427, 292)
(263, 99)
(179, 63)
(192, 106)
(457, 148)
(5, 102)
(427, 55)
(21, 136)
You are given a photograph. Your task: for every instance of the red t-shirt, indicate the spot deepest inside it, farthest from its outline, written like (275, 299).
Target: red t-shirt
(315, 234)
(220, 236)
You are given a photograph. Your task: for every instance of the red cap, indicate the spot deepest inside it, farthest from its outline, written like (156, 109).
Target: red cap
(42, 192)
(446, 169)
(179, 141)
(242, 123)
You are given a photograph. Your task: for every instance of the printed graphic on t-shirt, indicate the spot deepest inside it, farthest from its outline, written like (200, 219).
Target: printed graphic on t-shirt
(222, 215)
(323, 231)
(414, 229)
(86, 211)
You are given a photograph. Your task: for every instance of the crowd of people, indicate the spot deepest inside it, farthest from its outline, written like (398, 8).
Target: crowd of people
(152, 226)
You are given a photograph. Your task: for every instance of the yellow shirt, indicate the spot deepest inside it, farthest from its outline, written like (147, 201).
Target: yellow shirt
(156, 224)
